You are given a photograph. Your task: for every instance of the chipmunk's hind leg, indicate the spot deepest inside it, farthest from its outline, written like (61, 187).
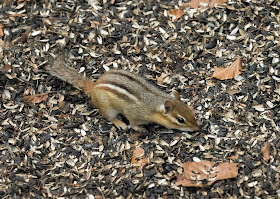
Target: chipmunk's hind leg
(111, 115)
(100, 100)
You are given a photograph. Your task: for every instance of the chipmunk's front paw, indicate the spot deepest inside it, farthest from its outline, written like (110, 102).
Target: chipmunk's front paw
(119, 124)
(138, 129)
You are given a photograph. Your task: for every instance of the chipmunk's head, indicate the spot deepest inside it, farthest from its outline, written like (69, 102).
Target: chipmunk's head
(177, 115)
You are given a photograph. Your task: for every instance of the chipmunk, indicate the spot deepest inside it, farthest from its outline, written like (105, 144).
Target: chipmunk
(121, 92)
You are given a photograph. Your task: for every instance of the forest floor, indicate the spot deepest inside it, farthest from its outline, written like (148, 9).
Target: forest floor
(55, 144)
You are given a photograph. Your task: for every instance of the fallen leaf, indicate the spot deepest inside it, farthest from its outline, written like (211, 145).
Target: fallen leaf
(93, 23)
(1, 30)
(61, 104)
(4, 44)
(230, 72)
(136, 49)
(205, 173)
(232, 92)
(30, 153)
(34, 66)
(175, 13)
(160, 79)
(6, 68)
(201, 3)
(37, 98)
(234, 157)
(266, 151)
(98, 197)
(138, 159)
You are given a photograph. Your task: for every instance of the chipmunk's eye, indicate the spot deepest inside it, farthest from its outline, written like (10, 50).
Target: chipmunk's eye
(180, 120)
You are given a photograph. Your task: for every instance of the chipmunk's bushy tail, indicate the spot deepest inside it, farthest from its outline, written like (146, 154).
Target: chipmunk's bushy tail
(60, 67)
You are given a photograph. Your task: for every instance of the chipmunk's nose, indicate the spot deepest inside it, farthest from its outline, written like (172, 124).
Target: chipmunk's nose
(195, 128)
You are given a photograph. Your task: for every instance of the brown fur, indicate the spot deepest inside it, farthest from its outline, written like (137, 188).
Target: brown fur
(119, 91)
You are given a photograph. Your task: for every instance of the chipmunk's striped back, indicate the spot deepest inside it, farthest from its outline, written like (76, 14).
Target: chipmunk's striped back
(131, 87)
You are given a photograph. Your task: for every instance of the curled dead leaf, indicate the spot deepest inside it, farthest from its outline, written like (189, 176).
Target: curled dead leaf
(30, 153)
(93, 23)
(1, 30)
(136, 49)
(138, 159)
(4, 44)
(205, 173)
(6, 68)
(266, 151)
(161, 78)
(175, 13)
(232, 91)
(201, 3)
(36, 98)
(230, 72)
(234, 157)
(61, 104)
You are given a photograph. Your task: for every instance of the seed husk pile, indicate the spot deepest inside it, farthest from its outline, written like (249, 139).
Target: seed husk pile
(55, 144)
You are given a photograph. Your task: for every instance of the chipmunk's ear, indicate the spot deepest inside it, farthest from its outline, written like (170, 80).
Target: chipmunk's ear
(168, 106)
(176, 95)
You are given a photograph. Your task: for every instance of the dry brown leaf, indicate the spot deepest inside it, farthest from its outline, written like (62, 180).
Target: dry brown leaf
(161, 78)
(199, 3)
(205, 173)
(138, 159)
(4, 44)
(234, 157)
(93, 23)
(136, 49)
(176, 13)
(30, 153)
(230, 72)
(34, 66)
(6, 68)
(1, 30)
(266, 151)
(232, 92)
(98, 197)
(36, 98)
(61, 104)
